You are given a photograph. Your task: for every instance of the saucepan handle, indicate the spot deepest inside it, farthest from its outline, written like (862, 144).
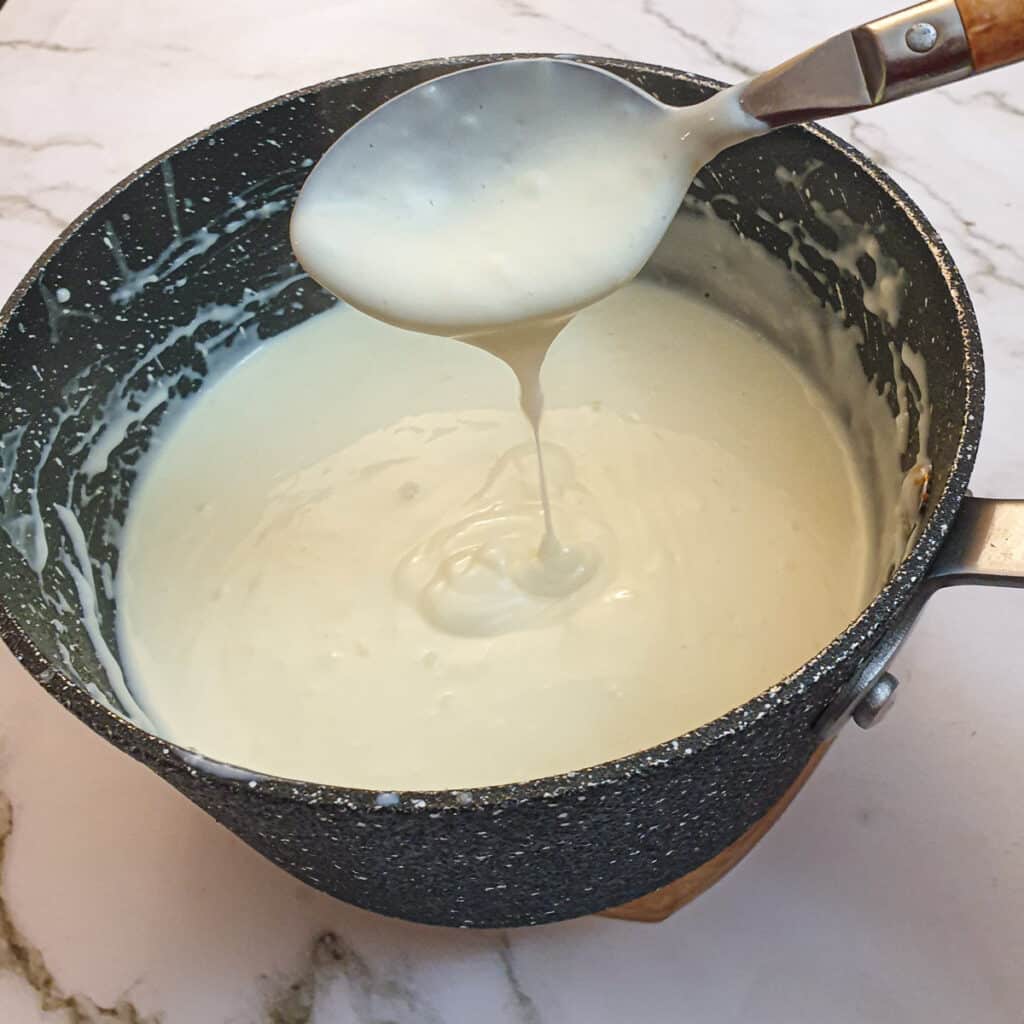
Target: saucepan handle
(985, 546)
(994, 30)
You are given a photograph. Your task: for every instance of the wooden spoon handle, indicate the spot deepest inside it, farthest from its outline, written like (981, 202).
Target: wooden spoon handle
(995, 31)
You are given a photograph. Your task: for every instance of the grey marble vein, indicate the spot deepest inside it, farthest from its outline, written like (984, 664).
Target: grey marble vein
(970, 236)
(15, 204)
(18, 954)
(521, 9)
(732, 63)
(41, 44)
(55, 142)
(527, 1008)
(858, 131)
(370, 989)
(988, 97)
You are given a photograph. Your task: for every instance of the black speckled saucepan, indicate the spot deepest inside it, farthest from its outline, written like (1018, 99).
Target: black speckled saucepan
(180, 253)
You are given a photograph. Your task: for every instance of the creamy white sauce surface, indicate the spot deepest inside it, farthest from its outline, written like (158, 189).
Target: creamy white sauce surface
(300, 581)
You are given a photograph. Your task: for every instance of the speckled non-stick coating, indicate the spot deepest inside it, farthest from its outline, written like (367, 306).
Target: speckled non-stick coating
(505, 855)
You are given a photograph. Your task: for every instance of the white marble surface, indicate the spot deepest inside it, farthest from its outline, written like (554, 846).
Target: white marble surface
(892, 891)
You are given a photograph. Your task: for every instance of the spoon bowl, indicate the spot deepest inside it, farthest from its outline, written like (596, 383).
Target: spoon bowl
(515, 191)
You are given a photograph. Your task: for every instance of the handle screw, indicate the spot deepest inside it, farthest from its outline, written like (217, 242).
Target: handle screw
(875, 704)
(921, 37)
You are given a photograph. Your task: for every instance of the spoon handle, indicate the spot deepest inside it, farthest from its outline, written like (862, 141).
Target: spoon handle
(995, 31)
(927, 45)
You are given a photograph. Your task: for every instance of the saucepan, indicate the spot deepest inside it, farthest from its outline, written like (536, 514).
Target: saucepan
(193, 250)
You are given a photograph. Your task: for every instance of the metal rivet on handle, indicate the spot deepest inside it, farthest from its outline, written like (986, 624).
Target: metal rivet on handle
(921, 37)
(875, 704)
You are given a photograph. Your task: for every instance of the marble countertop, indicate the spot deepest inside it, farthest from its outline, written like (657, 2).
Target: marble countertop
(892, 890)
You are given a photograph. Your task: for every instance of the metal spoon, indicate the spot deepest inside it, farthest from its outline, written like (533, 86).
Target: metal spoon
(418, 214)
(919, 48)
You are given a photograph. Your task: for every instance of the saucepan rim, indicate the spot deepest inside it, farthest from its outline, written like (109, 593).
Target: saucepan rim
(849, 646)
